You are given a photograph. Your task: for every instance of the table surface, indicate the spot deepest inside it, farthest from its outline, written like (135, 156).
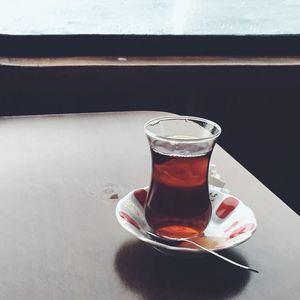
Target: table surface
(60, 238)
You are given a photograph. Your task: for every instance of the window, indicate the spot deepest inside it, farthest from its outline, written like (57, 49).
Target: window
(150, 27)
(194, 17)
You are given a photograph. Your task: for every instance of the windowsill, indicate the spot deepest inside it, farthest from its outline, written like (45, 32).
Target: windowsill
(149, 61)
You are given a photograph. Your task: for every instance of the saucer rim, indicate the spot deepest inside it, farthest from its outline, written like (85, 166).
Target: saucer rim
(156, 244)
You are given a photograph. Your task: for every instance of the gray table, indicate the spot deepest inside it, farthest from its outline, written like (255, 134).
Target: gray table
(60, 239)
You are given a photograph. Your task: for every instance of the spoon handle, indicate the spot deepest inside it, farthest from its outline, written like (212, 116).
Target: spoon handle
(220, 256)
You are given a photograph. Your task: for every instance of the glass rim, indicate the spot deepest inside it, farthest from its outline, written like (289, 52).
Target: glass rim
(156, 120)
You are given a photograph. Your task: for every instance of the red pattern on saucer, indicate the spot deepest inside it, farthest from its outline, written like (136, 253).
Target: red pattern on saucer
(129, 219)
(140, 195)
(243, 229)
(226, 207)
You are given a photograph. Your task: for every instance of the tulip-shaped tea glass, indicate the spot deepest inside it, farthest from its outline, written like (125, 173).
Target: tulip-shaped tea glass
(178, 204)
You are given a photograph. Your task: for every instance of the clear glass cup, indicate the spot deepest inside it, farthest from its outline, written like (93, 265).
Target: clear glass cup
(178, 204)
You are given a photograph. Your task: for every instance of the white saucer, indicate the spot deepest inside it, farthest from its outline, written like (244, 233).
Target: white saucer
(231, 224)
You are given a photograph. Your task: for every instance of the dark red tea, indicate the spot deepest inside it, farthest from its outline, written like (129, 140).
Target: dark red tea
(178, 204)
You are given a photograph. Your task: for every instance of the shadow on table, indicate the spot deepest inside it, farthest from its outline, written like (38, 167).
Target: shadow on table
(157, 276)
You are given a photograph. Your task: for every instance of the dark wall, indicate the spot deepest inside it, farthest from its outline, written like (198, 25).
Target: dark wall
(257, 106)
(260, 130)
